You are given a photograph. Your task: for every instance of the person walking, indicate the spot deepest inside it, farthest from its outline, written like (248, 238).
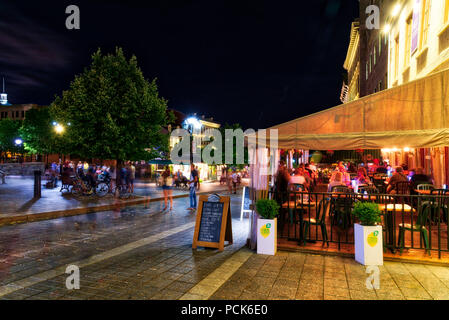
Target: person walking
(3, 176)
(234, 181)
(113, 174)
(198, 182)
(167, 188)
(192, 187)
(132, 176)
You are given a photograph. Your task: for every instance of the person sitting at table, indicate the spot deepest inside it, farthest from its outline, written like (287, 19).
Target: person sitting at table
(300, 177)
(336, 180)
(420, 178)
(382, 168)
(398, 176)
(352, 168)
(281, 182)
(346, 178)
(362, 177)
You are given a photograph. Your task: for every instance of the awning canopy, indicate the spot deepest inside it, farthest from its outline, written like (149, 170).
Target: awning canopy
(413, 115)
(160, 162)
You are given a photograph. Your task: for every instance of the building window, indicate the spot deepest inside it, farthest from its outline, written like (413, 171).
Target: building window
(375, 56)
(380, 44)
(367, 70)
(446, 11)
(17, 114)
(23, 114)
(396, 57)
(425, 22)
(408, 42)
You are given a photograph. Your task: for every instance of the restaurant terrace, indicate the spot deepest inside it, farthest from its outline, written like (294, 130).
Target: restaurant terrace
(406, 126)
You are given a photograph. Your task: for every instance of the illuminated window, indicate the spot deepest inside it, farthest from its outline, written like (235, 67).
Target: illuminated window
(380, 43)
(396, 57)
(408, 42)
(446, 11)
(425, 22)
(374, 55)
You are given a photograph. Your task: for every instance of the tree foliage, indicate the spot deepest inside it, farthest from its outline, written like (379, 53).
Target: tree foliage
(37, 133)
(113, 112)
(9, 132)
(223, 129)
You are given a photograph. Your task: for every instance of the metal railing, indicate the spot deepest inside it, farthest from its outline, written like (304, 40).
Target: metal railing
(418, 222)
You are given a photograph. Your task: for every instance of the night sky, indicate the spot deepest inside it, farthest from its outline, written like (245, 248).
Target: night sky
(258, 63)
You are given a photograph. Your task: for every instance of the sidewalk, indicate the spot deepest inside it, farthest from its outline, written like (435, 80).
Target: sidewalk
(17, 204)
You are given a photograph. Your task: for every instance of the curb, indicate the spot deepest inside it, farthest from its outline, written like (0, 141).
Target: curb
(25, 218)
(351, 255)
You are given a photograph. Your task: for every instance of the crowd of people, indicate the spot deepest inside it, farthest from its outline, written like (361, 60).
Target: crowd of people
(304, 177)
(91, 174)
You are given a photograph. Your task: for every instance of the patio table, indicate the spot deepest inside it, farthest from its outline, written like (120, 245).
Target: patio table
(389, 221)
(300, 204)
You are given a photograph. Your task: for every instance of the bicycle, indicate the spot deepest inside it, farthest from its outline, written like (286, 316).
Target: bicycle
(81, 188)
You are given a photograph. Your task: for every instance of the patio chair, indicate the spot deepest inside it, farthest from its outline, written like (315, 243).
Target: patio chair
(425, 186)
(340, 189)
(439, 203)
(319, 220)
(298, 187)
(368, 189)
(420, 226)
(341, 209)
(402, 187)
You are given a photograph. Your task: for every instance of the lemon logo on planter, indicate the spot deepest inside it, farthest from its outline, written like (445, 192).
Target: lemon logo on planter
(372, 238)
(265, 230)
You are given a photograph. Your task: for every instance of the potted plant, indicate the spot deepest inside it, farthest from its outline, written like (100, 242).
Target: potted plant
(368, 234)
(267, 226)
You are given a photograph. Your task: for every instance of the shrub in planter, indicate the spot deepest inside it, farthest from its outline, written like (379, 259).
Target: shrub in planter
(267, 226)
(267, 209)
(367, 213)
(368, 234)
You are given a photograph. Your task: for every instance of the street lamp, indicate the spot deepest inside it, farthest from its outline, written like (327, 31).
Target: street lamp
(190, 124)
(59, 129)
(18, 142)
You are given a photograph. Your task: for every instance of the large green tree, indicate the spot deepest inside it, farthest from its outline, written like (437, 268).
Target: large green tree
(37, 133)
(112, 112)
(9, 133)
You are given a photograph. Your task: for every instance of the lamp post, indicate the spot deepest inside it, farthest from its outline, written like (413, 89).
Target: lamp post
(190, 124)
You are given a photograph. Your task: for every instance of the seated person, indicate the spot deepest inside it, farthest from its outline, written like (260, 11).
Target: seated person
(419, 178)
(346, 177)
(298, 178)
(382, 169)
(362, 177)
(336, 180)
(398, 176)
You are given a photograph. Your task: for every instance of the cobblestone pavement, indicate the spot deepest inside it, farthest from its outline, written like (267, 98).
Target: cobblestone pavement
(16, 197)
(143, 253)
(133, 253)
(289, 276)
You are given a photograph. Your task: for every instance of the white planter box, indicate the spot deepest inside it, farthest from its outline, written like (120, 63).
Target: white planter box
(368, 245)
(267, 239)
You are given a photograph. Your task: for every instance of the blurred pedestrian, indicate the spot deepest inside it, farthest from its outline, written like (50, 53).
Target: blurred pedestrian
(167, 187)
(192, 187)
(3, 176)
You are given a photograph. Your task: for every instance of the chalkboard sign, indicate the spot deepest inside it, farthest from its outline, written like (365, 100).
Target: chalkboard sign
(210, 226)
(246, 202)
(213, 223)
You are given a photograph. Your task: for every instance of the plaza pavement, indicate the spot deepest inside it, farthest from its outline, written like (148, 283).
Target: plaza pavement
(143, 253)
(17, 204)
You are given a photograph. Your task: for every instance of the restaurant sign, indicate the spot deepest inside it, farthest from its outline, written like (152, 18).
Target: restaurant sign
(415, 26)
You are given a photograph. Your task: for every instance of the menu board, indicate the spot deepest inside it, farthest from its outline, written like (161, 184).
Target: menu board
(210, 226)
(213, 222)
